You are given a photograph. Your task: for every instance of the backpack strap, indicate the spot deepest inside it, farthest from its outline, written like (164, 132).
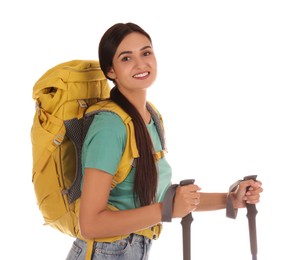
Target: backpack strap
(158, 120)
(89, 249)
(130, 153)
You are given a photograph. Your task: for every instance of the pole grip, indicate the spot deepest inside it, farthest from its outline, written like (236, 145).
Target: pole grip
(186, 226)
(251, 215)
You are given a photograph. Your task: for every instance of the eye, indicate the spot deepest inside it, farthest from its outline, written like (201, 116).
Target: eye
(147, 53)
(126, 58)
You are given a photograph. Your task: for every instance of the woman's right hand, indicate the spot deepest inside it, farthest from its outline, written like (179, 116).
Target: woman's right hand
(186, 200)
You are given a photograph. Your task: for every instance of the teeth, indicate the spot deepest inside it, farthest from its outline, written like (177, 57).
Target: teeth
(141, 75)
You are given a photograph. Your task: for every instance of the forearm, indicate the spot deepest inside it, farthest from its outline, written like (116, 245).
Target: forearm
(212, 201)
(113, 223)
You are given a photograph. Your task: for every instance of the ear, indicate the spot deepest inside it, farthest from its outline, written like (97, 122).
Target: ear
(111, 74)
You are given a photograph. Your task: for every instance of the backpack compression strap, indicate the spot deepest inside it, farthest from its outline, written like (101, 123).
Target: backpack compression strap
(59, 132)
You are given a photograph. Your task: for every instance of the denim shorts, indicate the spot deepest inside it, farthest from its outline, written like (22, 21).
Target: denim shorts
(134, 247)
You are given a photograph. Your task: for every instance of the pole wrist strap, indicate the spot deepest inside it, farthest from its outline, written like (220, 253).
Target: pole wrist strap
(167, 209)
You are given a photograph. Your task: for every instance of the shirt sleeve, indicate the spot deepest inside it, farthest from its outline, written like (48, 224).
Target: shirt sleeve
(104, 143)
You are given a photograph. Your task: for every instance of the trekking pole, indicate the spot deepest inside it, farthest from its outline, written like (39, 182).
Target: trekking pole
(251, 215)
(186, 227)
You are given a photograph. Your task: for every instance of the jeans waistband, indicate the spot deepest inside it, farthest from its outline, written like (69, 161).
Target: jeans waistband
(138, 238)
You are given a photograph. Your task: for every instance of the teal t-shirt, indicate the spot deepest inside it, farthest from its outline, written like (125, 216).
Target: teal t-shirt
(102, 149)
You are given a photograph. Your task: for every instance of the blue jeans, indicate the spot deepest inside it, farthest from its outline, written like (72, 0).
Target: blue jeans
(134, 247)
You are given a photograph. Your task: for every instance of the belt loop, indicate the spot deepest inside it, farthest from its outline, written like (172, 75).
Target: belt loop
(131, 236)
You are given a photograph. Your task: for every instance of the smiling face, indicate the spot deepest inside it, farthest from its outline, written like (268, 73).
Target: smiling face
(134, 65)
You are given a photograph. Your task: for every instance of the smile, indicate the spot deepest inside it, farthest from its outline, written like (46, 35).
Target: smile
(141, 75)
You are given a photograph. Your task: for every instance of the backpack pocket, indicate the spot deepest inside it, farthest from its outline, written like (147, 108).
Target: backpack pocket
(46, 175)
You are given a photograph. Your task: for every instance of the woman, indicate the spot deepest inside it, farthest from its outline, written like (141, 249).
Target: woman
(127, 58)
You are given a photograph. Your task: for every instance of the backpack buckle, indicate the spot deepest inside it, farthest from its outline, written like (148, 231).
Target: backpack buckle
(82, 103)
(38, 108)
(58, 139)
(156, 231)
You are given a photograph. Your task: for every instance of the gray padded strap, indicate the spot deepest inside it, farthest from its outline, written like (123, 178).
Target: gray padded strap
(158, 125)
(167, 209)
(231, 212)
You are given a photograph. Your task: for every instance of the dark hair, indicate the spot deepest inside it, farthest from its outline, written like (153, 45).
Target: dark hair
(146, 177)
(111, 40)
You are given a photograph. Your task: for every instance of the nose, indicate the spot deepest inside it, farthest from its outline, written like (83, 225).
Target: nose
(139, 62)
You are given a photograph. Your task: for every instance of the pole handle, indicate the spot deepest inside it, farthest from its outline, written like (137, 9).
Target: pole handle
(186, 226)
(251, 215)
(188, 219)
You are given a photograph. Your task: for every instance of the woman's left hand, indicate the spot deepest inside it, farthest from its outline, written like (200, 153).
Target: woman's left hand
(248, 191)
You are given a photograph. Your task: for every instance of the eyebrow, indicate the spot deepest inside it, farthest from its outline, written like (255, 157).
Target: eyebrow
(129, 52)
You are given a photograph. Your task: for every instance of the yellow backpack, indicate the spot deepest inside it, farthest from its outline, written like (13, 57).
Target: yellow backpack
(62, 95)
(67, 97)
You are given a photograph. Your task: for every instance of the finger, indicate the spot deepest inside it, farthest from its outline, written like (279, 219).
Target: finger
(252, 199)
(193, 195)
(193, 188)
(190, 188)
(254, 191)
(196, 201)
(250, 185)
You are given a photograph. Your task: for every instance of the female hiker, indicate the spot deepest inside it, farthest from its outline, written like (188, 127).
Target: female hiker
(124, 220)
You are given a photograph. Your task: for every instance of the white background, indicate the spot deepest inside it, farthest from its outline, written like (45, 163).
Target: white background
(220, 88)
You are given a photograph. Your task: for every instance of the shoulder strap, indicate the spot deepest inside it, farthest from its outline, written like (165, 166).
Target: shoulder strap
(110, 106)
(131, 151)
(158, 120)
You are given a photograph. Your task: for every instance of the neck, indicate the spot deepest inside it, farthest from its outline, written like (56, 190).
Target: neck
(138, 99)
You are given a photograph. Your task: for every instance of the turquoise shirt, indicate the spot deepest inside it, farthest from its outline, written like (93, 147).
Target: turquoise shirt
(102, 149)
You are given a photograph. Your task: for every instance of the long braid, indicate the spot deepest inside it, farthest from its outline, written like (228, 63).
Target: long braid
(146, 177)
